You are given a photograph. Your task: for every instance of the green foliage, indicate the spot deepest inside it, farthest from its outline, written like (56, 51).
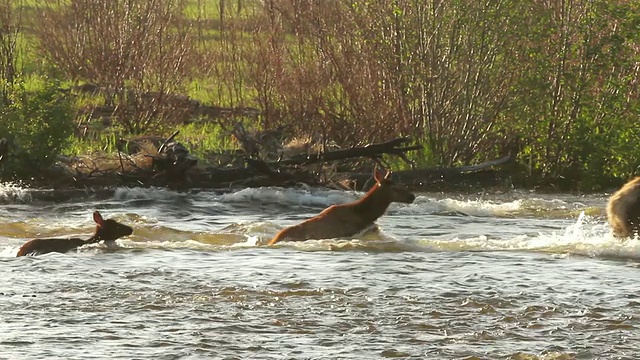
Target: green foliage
(421, 159)
(204, 137)
(38, 122)
(104, 143)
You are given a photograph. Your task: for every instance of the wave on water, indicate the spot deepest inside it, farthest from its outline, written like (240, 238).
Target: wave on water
(12, 193)
(589, 235)
(486, 206)
(530, 207)
(480, 208)
(321, 198)
(586, 237)
(424, 203)
(153, 193)
(303, 197)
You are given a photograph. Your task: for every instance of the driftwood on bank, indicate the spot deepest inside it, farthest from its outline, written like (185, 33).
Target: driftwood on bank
(293, 170)
(169, 167)
(483, 174)
(169, 164)
(179, 171)
(373, 151)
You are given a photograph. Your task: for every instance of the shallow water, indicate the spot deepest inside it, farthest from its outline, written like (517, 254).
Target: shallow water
(517, 275)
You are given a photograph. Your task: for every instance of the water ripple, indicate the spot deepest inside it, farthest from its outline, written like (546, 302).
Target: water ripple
(513, 276)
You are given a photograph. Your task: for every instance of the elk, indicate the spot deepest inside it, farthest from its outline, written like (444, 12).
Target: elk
(352, 218)
(623, 209)
(107, 230)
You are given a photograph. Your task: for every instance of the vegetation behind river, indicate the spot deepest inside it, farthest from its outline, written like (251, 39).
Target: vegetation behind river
(554, 82)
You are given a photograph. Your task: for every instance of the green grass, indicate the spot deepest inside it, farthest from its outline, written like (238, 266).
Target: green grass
(199, 138)
(105, 143)
(202, 138)
(421, 158)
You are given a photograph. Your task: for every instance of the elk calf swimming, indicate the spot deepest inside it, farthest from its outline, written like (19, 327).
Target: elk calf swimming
(352, 218)
(623, 209)
(107, 230)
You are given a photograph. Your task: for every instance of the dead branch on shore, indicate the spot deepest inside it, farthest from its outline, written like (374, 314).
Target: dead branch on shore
(372, 151)
(483, 173)
(167, 163)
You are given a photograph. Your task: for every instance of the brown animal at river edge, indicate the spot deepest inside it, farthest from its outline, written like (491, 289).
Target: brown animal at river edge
(623, 209)
(352, 218)
(107, 230)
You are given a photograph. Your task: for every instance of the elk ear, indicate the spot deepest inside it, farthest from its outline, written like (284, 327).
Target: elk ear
(98, 218)
(377, 175)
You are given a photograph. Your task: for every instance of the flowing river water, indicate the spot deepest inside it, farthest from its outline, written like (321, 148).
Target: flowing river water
(517, 275)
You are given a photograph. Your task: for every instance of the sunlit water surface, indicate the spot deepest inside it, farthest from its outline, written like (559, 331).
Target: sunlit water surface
(517, 275)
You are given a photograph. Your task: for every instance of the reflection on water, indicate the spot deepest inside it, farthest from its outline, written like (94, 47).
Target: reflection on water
(517, 275)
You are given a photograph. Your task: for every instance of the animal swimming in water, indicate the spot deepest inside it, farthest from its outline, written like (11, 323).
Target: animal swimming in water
(106, 230)
(352, 218)
(623, 209)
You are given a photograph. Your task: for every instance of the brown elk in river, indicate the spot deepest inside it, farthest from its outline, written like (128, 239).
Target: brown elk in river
(107, 230)
(352, 218)
(623, 209)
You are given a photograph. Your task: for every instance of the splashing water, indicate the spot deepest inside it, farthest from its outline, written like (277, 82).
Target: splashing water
(12, 193)
(515, 275)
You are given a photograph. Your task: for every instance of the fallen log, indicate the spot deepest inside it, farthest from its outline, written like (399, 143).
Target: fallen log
(292, 171)
(172, 166)
(439, 178)
(374, 151)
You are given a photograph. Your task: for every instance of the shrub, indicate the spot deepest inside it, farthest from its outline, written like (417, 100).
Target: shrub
(136, 51)
(38, 123)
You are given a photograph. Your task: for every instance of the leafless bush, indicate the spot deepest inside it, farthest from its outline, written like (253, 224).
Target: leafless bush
(379, 70)
(127, 47)
(10, 27)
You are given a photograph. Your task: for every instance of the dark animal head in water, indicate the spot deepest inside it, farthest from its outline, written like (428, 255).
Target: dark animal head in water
(109, 230)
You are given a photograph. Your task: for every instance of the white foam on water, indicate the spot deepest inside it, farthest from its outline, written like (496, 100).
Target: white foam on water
(586, 237)
(589, 236)
(9, 250)
(251, 241)
(535, 207)
(165, 245)
(290, 196)
(479, 207)
(138, 193)
(12, 193)
(423, 204)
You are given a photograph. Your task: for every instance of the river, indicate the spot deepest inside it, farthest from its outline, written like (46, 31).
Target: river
(516, 275)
